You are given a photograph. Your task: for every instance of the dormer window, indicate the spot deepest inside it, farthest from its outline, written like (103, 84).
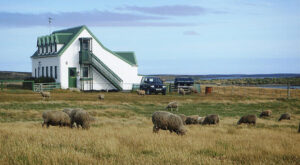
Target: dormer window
(53, 48)
(39, 50)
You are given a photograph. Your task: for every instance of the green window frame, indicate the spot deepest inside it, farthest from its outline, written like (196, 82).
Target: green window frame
(47, 72)
(85, 71)
(55, 72)
(51, 71)
(43, 71)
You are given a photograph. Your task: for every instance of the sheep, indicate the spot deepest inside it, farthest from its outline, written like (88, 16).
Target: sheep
(141, 92)
(285, 116)
(81, 118)
(45, 94)
(56, 118)
(101, 97)
(68, 111)
(181, 91)
(200, 120)
(192, 119)
(172, 105)
(211, 119)
(183, 118)
(167, 121)
(193, 90)
(266, 113)
(247, 119)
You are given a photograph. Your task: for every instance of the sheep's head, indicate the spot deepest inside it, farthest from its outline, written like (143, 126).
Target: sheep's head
(182, 131)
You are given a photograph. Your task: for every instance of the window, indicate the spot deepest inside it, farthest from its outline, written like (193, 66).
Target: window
(85, 72)
(55, 72)
(47, 75)
(39, 50)
(42, 71)
(53, 48)
(51, 72)
(35, 72)
(49, 49)
(39, 71)
(85, 44)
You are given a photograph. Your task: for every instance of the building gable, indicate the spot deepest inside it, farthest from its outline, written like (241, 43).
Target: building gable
(68, 36)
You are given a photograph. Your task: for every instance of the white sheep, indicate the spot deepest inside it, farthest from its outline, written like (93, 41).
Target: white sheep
(172, 105)
(45, 94)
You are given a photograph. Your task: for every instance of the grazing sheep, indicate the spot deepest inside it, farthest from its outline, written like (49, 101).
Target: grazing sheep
(266, 113)
(192, 119)
(183, 118)
(248, 119)
(211, 119)
(193, 90)
(56, 118)
(172, 105)
(167, 121)
(200, 120)
(101, 97)
(68, 111)
(81, 118)
(181, 91)
(285, 116)
(141, 92)
(45, 94)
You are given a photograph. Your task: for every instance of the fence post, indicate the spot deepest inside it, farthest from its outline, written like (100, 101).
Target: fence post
(288, 91)
(32, 85)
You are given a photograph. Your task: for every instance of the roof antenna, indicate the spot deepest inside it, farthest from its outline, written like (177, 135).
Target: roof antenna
(49, 21)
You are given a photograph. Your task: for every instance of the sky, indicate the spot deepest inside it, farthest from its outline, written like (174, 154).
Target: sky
(167, 36)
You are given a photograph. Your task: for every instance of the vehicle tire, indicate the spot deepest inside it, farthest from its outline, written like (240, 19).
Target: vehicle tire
(164, 93)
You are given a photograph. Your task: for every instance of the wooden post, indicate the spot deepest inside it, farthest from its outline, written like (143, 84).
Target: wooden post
(1, 85)
(288, 91)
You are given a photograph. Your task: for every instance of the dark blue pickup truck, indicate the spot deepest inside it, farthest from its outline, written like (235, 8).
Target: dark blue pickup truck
(183, 82)
(152, 85)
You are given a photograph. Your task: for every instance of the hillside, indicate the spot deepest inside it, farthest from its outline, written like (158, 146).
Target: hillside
(8, 75)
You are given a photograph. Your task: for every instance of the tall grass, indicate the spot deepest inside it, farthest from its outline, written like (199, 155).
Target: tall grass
(123, 134)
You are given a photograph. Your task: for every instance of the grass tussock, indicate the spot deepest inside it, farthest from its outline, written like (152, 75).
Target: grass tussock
(122, 132)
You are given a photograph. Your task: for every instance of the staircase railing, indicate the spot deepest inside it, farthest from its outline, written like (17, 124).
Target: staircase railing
(106, 72)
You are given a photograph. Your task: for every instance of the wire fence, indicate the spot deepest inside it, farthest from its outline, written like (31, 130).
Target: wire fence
(255, 91)
(267, 91)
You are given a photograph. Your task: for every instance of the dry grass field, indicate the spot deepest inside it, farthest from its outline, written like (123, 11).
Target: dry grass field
(122, 133)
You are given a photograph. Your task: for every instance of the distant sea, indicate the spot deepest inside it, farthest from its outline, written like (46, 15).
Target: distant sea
(170, 78)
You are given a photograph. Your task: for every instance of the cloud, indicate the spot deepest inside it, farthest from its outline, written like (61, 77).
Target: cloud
(91, 18)
(191, 33)
(175, 10)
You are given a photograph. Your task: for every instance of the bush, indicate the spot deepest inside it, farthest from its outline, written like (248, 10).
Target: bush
(41, 79)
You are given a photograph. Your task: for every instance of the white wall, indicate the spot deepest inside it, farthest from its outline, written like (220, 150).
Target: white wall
(49, 61)
(127, 72)
(70, 58)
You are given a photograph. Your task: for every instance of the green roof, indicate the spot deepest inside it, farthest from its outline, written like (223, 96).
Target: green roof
(67, 36)
(129, 56)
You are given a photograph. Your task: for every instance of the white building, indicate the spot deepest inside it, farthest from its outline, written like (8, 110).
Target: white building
(77, 59)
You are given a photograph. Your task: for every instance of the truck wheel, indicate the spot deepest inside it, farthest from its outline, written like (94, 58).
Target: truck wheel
(164, 92)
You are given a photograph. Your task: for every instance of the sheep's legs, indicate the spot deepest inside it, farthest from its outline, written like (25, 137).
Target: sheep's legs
(155, 129)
